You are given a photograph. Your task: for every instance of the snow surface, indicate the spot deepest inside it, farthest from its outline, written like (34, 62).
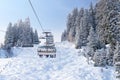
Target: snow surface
(68, 65)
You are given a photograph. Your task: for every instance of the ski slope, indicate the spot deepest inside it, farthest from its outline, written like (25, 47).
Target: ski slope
(69, 64)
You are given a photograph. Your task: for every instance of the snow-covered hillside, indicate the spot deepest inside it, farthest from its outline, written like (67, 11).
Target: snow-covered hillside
(68, 65)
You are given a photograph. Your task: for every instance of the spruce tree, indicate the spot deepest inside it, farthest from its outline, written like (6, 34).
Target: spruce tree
(35, 37)
(9, 37)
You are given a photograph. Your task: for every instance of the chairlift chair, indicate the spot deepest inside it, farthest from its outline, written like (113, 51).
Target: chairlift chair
(48, 49)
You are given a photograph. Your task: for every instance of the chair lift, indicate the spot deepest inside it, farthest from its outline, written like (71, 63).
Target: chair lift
(48, 49)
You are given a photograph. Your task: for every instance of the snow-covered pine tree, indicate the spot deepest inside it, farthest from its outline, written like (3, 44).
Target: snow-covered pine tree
(82, 34)
(9, 37)
(114, 20)
(78, 27)
(92, 20)
(102, 22)
(16, 35)
(78, 20)
(27, 35)
(69, 22)
(20, 29)
(9, 40)
(114, 17)
(35, 37)
(93, 42)
(72, 25)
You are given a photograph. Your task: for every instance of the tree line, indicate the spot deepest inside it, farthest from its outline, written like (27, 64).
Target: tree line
(20, 34)
(95, 28)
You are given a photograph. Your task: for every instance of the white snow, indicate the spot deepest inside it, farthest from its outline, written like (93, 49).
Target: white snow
(68, 65)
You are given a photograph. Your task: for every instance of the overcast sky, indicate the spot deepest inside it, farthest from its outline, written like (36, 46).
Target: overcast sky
(52, 13)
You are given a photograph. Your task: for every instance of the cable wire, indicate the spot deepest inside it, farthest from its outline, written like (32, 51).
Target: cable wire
(36, 15)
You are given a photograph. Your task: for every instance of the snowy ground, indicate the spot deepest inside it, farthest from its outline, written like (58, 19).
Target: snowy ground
(26, 65)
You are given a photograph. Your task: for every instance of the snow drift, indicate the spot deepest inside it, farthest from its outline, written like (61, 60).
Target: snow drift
(68, 65)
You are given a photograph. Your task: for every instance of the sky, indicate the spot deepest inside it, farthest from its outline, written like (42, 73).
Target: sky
(52, 14)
